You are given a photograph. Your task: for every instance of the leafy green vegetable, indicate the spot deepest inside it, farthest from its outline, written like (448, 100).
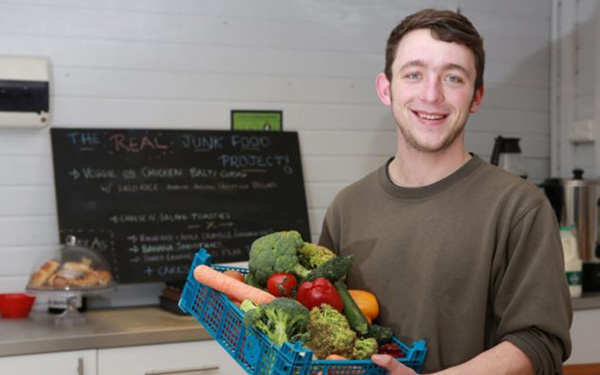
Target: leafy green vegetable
(273, 253)
(329, 333)
(312, 256)
(283, 319)
(334, 269)
(364, 348)
(382, 334)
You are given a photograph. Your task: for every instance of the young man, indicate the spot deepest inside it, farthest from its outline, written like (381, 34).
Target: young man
(459, 252)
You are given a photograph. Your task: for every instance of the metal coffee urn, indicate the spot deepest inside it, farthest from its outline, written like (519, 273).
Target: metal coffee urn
(575, 202)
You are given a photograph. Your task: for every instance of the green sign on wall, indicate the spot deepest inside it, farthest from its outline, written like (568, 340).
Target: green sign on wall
(257, 120)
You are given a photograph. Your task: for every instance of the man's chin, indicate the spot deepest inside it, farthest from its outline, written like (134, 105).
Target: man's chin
(429, 146)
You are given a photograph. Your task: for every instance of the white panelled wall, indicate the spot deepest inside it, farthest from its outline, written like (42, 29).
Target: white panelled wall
(186, 64)
(575, 57)
(181, 64)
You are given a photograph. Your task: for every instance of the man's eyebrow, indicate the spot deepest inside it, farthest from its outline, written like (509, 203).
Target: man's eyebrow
(422, 64)
(452, 66)
(413, 63)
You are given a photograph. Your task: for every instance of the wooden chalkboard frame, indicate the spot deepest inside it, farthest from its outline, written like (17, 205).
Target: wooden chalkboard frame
(148, 199)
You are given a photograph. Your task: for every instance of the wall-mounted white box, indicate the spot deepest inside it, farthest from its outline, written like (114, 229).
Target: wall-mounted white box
(582, 131)
(24, 92)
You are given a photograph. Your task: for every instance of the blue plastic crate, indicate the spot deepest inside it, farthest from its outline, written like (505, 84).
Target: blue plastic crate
(253, 350)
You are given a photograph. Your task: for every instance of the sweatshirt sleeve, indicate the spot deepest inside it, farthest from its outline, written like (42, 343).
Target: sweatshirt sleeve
(532, 304)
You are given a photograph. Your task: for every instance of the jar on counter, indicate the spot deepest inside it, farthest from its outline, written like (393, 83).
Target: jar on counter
(573, 264)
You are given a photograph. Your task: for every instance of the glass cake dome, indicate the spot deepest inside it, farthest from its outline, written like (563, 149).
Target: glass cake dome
(74, 272)
(75, 268)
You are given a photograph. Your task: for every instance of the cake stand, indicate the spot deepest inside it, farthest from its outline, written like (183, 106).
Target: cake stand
(71, 316)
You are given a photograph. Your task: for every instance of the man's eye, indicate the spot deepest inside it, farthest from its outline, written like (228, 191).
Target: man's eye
(413, 76)
(454, 79)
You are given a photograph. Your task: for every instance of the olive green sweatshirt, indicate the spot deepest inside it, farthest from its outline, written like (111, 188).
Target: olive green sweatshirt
(465, 263)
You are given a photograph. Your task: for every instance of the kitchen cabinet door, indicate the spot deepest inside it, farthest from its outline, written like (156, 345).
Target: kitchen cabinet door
(190, 358)
(81, 362)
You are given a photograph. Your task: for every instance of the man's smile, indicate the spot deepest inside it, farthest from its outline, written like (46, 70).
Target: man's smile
(429, 116)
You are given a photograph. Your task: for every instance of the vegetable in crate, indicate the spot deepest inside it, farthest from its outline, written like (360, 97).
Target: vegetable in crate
(282, 284)
(364, 348)
(282, 320)
(275, 252)
(329, 333)
(382, 334)
(366, 302)
(312, 256)
(391, 349)
(235, 274)
(232, 288)
(334, 269)
(314, 293)
(356, 319)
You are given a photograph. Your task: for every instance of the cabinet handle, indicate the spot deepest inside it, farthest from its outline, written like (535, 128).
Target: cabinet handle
(79, 366)
(187, 370)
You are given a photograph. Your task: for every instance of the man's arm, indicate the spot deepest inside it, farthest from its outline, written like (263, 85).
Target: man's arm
(503, 359)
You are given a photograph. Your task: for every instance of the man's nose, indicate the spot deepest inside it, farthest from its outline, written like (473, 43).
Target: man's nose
(432, 91)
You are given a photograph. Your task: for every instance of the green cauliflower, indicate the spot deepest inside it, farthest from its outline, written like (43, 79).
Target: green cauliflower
(364, 348)
(275, 252)
(312, 256)
(283, 319)
(329, 333)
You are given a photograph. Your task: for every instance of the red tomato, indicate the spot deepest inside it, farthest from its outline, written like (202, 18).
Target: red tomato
(282, 284)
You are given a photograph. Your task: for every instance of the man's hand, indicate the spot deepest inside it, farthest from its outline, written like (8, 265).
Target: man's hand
(394, 367)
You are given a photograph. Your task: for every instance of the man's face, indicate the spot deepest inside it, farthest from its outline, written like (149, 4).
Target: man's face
(432, 91)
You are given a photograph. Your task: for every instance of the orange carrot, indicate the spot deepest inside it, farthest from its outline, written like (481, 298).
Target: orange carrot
(235, 274)
(231, 287)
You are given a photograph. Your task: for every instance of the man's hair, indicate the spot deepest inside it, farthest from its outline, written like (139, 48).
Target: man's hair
(445, 25)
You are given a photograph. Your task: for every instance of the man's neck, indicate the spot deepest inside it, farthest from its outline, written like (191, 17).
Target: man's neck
(418, 169)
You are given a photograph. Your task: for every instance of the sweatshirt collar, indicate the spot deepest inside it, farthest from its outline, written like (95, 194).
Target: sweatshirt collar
(425, 191)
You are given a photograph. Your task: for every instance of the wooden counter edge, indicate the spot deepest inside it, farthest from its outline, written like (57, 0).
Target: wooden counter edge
(582, 369)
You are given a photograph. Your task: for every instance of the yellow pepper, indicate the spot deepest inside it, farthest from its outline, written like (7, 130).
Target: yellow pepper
(367, 303)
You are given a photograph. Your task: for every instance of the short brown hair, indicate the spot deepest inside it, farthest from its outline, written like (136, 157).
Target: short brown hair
(445, 25)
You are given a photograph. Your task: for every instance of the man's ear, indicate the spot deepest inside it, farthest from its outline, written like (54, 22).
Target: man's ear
(383, 89)
(477, 99)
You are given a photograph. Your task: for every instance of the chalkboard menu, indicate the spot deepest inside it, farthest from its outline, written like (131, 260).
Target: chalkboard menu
(149, 199)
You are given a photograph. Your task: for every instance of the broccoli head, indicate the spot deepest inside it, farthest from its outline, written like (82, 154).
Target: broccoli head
(382, 334)
(329, 333)
(283, 319)
(248, 305)
(364, 348)
(275, 252)
(312, 256)
(334, 269)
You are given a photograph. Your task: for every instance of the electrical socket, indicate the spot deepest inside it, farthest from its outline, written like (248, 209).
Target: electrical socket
(582, 131)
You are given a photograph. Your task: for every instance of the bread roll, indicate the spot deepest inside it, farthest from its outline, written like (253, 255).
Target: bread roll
(103, 277)
(42, 275)
(59, 282)
(71, 274)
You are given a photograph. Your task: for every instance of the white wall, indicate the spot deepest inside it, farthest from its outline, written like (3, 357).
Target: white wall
(187, 63)
(576, 36)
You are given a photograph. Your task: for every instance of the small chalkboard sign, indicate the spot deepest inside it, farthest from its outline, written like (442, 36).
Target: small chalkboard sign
(148, 200)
